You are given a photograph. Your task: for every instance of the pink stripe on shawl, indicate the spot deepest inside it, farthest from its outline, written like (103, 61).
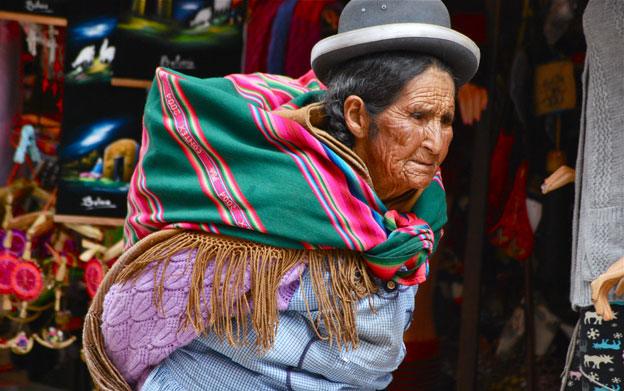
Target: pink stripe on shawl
(226, 172)
(209, 167)
(354, 216)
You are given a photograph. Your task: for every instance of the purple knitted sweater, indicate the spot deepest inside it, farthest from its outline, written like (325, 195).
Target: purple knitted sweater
(137, 337)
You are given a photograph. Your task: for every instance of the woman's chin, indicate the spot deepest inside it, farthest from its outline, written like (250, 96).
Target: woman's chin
(418, 182)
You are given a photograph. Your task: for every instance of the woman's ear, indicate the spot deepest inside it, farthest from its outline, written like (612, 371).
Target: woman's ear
(356, 116)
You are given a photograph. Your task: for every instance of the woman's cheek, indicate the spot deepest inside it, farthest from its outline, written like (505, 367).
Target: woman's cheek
(447, 143)
(389, 160)
(409, 136)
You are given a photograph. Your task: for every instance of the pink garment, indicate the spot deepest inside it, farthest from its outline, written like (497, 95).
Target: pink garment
(138, 337)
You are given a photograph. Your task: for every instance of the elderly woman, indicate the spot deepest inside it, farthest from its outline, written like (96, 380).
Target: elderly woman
(277, 229)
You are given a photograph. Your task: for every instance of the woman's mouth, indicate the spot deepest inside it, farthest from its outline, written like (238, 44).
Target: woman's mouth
(419, 168)
(423, 163)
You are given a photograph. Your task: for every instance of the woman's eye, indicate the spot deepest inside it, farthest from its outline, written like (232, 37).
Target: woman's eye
(418, 115)
(447, 121)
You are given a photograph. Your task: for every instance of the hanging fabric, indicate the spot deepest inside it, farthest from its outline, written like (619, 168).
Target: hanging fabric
(305, 32)
(513, 233)
(10, 48)
(262, 13)
(499, 173)
(279, 37)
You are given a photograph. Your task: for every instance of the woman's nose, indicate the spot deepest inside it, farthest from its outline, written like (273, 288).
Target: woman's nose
(433, 140)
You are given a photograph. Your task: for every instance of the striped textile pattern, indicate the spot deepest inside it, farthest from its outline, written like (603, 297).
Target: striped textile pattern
(216, 158)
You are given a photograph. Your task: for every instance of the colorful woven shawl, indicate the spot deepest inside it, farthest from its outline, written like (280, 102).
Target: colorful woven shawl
(216, 158)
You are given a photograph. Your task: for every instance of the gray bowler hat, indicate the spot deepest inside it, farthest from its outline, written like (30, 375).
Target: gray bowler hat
(421, 26)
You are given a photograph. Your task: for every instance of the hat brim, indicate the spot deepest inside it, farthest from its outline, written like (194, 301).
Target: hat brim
(454, 49)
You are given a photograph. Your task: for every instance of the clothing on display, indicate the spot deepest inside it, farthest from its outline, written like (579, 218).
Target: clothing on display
(295, 26)
(599, 204)
(513, 232)
(257, 36)
(596, 351)
(10, 49)
(304, 33)
(279, 37)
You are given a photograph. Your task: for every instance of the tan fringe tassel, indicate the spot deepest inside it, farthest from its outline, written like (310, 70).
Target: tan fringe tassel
(230, 305)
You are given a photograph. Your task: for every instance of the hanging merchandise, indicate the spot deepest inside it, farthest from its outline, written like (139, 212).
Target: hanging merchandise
(198, 37)
(279, 37)
(596, 361)
(10, 48)
(556, 158)
(26, 153)
(519, 86)
(555, 91)
(499, 173)
(99, 149)
(35, 135)
(89, 52)
(560, 14)
(94, 274)
(13, 241)
(555, 87)
(9, 253)
(261, 19)
(53, 338)
(52, 335)
(546, 326)
(101, 133)
(98, 259)
(20, 344)
(44, 46)
(52, 60)
(473, 100)
(534, 211)
(37, 266)
(26, 280)
(306, 29)
(513, 233)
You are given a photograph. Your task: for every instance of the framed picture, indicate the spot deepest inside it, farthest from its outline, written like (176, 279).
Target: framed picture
(197, 37)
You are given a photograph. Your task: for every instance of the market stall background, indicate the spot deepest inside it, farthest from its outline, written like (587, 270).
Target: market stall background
(495, 314)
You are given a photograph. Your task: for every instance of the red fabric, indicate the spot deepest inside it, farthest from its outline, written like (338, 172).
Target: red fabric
(422, 350)
(258, 34)
(472, 24)
(304, 33)
(513, 232)
(499, 172)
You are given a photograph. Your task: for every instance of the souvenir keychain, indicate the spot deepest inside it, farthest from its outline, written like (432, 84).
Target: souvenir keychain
(40, 223)
(97, 258)
(26, 278)
(7, 264)
(53, 337)
(21, 343)
(12, 241)
(94, 270)
(8, 260)
(26, 152)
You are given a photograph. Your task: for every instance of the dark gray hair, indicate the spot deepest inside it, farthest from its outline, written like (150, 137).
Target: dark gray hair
(377, 79)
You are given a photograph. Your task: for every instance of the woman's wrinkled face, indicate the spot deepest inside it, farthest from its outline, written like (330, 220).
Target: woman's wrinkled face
(407, 142)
